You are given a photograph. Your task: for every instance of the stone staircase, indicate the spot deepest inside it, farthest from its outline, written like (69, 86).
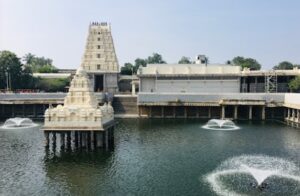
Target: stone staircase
(125, 105)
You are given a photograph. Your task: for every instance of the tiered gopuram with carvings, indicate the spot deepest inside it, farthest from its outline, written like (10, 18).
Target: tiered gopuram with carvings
(80, 110)
(99, 59)
(81, 121)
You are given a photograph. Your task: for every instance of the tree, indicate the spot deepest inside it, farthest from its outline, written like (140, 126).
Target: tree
(139, 62)
(285, 65)
(184, 60)
(13, 73)
(250, 63)
(294, 84)
(52, 84)
(155, 59)
(47, 69)
(228, 62)
(29, 58)
(37, 64)
(127, 69)
(27, 80)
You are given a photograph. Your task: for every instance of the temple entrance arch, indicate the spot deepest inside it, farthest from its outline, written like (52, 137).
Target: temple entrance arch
(98, 83)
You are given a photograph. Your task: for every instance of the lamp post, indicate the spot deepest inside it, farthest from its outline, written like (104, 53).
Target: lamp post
(6, 74)
(132, 86)
(132, 73)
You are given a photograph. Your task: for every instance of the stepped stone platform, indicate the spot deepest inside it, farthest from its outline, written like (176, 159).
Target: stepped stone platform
(125, 106)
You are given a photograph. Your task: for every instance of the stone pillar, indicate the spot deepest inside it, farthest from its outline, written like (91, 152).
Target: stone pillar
(95, 139)
(53, 138)
(235, 112)
(23, 110)
(62, 140)
(99, 139)
(83, 135)
(109, 138)
(174, 112)
(132, 88)
(288, 113)
(2, 110)
(150, 111)
(104, 86)
(209, 112)
(104, 139)
(298, 116)
(54, 141)
(250, 112)
(92, 139)
(80, 138)
(76, 139)
(223, 112)
(255, 80)
(139, 110)
(69, 140)
(113, 137)
(263, 113)
(293, 115)
(13, 110)
(197, 112)
(47, 139)
(244, 85)
(88, 139)
(34, 110)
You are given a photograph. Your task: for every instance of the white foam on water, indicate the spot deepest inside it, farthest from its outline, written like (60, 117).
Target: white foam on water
(260, 167)
(259, 174)
(220, 124)
(221, 129)
(18, 123)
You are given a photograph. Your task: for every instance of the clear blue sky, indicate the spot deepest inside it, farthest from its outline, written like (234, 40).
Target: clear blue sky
(267, 30)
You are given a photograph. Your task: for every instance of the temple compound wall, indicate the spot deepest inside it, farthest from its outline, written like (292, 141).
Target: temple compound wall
(189, 78)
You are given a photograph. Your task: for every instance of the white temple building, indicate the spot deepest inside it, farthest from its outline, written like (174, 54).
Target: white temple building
(80, 110)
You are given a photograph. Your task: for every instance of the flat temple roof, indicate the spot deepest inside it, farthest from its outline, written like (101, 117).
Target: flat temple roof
(210, 69)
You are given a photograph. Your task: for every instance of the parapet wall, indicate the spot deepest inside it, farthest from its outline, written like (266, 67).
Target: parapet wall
(198, 99)
(38, 98)
(292, 100)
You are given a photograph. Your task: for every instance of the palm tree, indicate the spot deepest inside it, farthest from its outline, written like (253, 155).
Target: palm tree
(28, 58)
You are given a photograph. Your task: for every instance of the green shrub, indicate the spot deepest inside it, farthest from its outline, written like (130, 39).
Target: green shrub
(294, 84)
(47, 69)
(52, 84)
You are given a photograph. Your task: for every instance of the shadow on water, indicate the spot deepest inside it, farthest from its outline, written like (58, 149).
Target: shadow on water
(76, 171)
(76, 156)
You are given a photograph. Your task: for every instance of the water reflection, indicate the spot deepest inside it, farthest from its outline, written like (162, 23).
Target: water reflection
(151, 157)
(77, 170)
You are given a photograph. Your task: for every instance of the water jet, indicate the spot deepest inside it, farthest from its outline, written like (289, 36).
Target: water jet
(220, 124)
(263, 169)
(18, 123)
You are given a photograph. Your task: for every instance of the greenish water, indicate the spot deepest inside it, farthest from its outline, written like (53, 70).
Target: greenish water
(151, 157)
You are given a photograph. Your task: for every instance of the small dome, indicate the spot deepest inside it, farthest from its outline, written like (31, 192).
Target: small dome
(80, 71)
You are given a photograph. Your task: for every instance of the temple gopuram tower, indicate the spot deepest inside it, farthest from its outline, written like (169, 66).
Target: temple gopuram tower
(100, 60)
